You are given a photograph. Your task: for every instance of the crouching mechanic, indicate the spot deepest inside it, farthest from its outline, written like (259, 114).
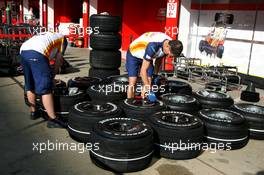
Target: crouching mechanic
(36, 53)
(145, 55)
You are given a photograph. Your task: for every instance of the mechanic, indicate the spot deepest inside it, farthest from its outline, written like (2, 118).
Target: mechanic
(36, 55)
(145, 55)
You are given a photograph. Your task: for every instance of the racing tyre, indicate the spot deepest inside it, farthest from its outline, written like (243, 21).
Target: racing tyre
(182, 103)
(105, 41)
(102, 93)
(140, 109)
(105, 59)
(124, 144)
(201, 45)
(175, 86)
(83, 82)
(102, 73)
(254, 115)
(83, 116)
(220, 51)
(225, 129)
(105, 23)
(212, 99)
(63, 101)
(177, 135)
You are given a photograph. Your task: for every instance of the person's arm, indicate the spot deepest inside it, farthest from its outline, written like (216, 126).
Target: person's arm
(58, 63)
(158, 62)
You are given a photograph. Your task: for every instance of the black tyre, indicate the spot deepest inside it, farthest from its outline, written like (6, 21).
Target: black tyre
(202, 45)
(220, 51)
(142, 110)
(250, 96)
(174, 86)
(103, 41)
(212, 99)
(225, 18)
(177, 135)
(125, 145)
(182, 103)
(105, 59)
(83, 82)
(119, 79)
(57, 84)
(254, 115)
(102, 93)
(63, 101)
(83, 116)
(123, 82)
(102, 73)
(224, 128)
(105, 23)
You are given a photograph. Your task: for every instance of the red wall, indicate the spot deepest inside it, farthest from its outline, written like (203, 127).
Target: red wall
(113, 7)
(67, 10)
(138, 16)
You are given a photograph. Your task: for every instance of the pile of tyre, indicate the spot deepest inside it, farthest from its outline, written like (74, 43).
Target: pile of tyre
(105, 41)
(9, 60)
(127, 133)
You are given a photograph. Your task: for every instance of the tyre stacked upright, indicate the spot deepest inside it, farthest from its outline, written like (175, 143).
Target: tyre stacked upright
(105, 58)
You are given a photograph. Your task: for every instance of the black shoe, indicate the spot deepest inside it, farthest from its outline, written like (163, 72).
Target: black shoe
(56, 123)
(34, 115)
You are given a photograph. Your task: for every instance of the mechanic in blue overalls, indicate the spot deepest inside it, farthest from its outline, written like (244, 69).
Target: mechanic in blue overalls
(144, 58)
(36, 55)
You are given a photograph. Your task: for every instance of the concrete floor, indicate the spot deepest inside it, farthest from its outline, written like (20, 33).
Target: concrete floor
(18, 133)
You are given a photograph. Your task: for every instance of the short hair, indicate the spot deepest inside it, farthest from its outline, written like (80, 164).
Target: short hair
(176, 47)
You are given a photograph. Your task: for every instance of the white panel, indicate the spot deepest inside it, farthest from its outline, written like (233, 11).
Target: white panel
(259, 34)
(51, 15)
(93, 7)
(193, 34)
(40, 13)
(257, 61)
(237, 54)
(243, 25)
(25, 7)
(184, 25)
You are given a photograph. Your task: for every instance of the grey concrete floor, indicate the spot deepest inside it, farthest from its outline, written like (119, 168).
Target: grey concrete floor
(18, 134)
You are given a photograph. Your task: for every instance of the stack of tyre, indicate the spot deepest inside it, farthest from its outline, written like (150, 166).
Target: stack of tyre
(105, 41)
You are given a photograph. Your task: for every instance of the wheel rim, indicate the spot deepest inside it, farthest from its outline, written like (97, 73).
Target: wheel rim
(86, 79)
(139, 103)
(175, 98)
(124, 127)
(250, 108)
(64, 91)
(176, 83)
(175, 118)
(221, 115)
(119, 79)
(212, 94)
(97, 108)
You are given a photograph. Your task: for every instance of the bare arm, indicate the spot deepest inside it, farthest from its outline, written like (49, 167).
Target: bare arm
(157, 65)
